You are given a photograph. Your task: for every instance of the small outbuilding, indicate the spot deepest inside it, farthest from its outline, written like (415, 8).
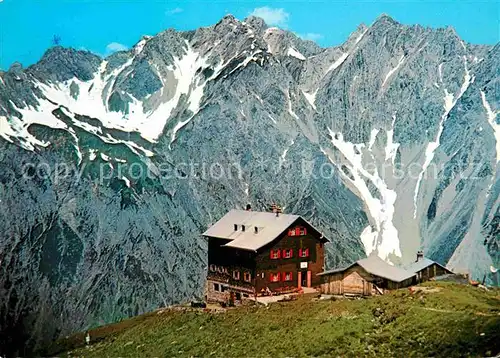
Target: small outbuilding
(425, 268)
(365, 277)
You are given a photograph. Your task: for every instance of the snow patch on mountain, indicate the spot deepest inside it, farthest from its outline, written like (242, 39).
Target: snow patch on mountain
(361, 36)
(18, 128)
(289, 102)
(197, 93)
(283, 156)
(71, 131)
(140, 45)
(294, 53)
(373, 137)
(92, 154)
(150, 125)
(391, 147)
(105, 157)
(491, 116)
(449, 103)
(244, 63)
(389, 74)
(126, 180)
(311, 97)
(337, 63)
(384, 236)
(107, 138)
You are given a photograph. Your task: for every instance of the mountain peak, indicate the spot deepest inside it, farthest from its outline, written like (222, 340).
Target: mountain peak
(63, 63)
(228, 18)
(256, 22)
(385, 19)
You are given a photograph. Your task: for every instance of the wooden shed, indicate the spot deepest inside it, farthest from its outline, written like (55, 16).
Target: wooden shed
(365, 277)
(425, 268)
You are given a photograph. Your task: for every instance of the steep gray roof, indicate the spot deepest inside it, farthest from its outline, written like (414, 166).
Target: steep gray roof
(378, 267)
(422, 264)
(269, 227)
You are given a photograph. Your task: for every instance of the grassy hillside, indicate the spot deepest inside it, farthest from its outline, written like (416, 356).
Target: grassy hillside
(446, 320)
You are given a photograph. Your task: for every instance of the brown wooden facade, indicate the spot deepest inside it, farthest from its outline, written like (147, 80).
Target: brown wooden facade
(353, 281)
(431, 271)
(356, 281)
(288, 263)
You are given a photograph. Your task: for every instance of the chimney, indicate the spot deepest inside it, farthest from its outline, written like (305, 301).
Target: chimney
(420, 255)
(273, 207)
(256, 230)
(249, 207)
(278, 211)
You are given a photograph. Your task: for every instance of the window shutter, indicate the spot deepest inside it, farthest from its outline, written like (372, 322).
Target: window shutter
(279, 253)
(300, 252)
(283, 274)
(272, 254)
(291, 276)
(291, 253)
(297, 231)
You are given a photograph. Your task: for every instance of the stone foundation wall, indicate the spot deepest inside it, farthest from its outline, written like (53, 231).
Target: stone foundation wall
(213, 295)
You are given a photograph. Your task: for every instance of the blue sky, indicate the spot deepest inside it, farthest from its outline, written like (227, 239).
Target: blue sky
(27, 27)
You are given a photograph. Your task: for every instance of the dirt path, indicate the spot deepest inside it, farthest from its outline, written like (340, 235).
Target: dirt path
(449, 311)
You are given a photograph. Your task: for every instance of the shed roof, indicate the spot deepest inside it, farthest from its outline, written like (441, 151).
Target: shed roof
(269, 227)
(421, 264)
(377, 267)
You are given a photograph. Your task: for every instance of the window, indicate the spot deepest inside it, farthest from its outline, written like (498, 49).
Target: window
(297, 231)
(222, 288)
(245, 295)
(247, 276)
(238, 296)
(212, 268)
(242, 227)
(303, 252)
(274, 277)
(288, 276)
(275, 254)
(235, 227)
(216, 287)
(236, 275)
(287, 253)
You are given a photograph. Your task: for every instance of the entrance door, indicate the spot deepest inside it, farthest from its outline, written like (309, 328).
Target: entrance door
(303, 276)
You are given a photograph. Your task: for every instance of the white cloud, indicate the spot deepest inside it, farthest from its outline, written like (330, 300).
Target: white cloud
(115, 46)
(273, 17)
(310, 36)
(174, 11)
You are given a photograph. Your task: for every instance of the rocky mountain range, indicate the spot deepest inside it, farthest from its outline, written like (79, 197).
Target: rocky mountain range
(111, 168)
